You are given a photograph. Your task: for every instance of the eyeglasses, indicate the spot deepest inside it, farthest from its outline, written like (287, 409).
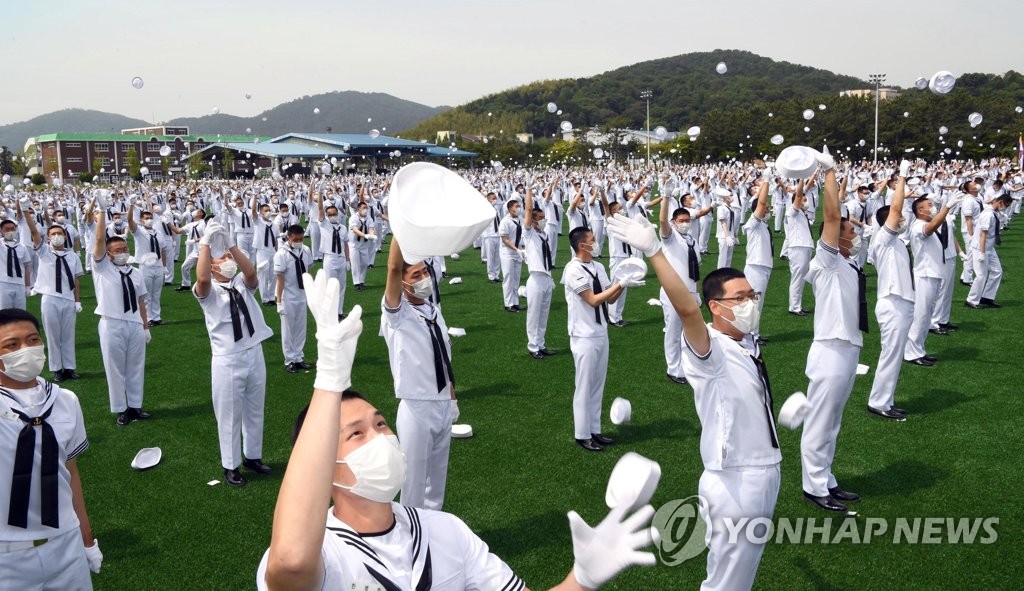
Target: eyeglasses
(754, 297)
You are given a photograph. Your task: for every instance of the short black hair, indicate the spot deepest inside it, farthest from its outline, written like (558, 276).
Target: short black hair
(713, 286)
(114, 239)
(11, 222)
(328, 209)
(510, 203)
(301, 417)
(576, 236)
(918, 201)
(821, 226)
(882, 214)
(12, 315)
(295, 229)
(55, 227)
(680, 211)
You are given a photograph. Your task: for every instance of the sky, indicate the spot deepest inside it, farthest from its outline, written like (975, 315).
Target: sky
(195, 55)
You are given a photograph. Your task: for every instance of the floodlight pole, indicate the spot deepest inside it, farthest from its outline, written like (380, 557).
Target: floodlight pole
(646, 95)
(877, 80)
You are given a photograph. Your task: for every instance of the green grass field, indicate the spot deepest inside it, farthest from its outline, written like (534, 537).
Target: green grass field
(958, 454)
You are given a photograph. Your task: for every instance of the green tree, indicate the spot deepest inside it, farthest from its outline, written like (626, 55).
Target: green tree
(131, 158)
(227, 163)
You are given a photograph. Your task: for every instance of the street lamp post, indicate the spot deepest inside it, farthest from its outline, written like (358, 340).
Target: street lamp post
(877, 80)
(646, 95)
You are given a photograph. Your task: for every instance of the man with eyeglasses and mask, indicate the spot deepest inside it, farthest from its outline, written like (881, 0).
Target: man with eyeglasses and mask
(420, 355)
(46, 540)
(739, 445)
(345, 452)
(237, 368)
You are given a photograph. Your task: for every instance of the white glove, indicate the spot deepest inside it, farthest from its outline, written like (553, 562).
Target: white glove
(904, 168)
(455, 411)
(954, 200)
(639, 234)
(335, 341)
(280, 308)
(825, 159)
(963, 256)
(601, 553)
(632, 282)
(730, 241)
(28, 291)
(149, 335)
(94, 556)
(522, 253)
(100, 195)
(212, 230)
(371, 236)
(78, 307)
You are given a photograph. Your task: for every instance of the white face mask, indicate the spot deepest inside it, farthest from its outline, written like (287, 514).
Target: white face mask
(379, 468)
(24, 364)
(58, 219)
(683, 228)
(121, 259)
(57, 241)
(855, 245)
(266, 216)
(147, 223)
(333, 219)
(422, 289)
(748, 317)
(11, 236)
(228, 268)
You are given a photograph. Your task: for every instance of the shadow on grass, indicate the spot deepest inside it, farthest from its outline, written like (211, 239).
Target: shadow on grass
(499, 389)
(955, 354)
(184, 412)
(793, 335)
(673, 429)
(547, 530)
(933, 401)
(901, 478)
(818, 582)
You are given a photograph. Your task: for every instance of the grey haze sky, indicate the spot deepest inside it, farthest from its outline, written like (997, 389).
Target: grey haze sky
(194, 55)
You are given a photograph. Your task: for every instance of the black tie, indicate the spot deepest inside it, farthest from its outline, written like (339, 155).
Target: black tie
(626, 249)
(495, 221)
(910, 268)
(300, 268)
(600, 207)
(762, 372)
(13, 262)
(942, 232)
(239, 311)
(862, 298)
(21, 479)
(585, 226)
(597, 289)
(195, 232)
(519, 234)
(998, 239)
(131, 301)
(63, 267)
(545, 250)
(692, 263)
(154, 244)
(245, 220)
(336, 240)
(167, 229)
(433, 280)
(771, 240)
(362, 228)
(442, 365)
(732, 219)
(268, 237)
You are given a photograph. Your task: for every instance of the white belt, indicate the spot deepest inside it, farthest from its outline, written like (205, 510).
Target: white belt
(17, 546)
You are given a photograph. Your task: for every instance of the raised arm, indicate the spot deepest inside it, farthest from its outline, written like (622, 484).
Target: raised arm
(132, 226)
(832, 215)
(892, 221)
(393, 285)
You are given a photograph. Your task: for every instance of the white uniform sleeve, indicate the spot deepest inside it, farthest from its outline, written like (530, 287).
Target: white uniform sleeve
(483, 570)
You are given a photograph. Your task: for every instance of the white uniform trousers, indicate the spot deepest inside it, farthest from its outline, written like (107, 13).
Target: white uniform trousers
(552, 232)
(779, 213)
(590, 355)
(705, 232)
(12, 295)
(799, 264)
(894, 315)
(539, 287)
(988, 275)
(616, 308)
(424, 430)
(59, 318)
(123, 346)
(167, 253)
(336, 266)
(831, 368)
(724, 254)
(265, 275)
(361, 257)
(187, 267)
(967, 275)
(673, 336)
(58, 565)
(511, 269)
(238, 384)
(940, 315)
(293, 329)
(244, 243)
(153, 277)
(489, 252)
(598, 229)
(314, 240)
(736, 493)
(926, 291)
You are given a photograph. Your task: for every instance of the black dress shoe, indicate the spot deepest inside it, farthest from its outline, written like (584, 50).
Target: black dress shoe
(139, 414)
(234, 477)
(761, 341)
(536, 355)
(510, 309)
(989, 303)
(58, 376)
(827, 503)
(620, 324)
(602, 439)
(123, 418)
(359, 287)
(920, 361)
(70, 374)
(292, 368)
(256, 466)
(304, 365)
(495, 280)
(949, 326)
(972, 306)
(676, 379)
(183, 288)
(546, 352)
(517, 308)
(845, 496)
(589, 445)
(967, 283)
(887, 414)
(939, 331)
(798, 312)
(898, 410)
(270, 303)
(930, 358)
